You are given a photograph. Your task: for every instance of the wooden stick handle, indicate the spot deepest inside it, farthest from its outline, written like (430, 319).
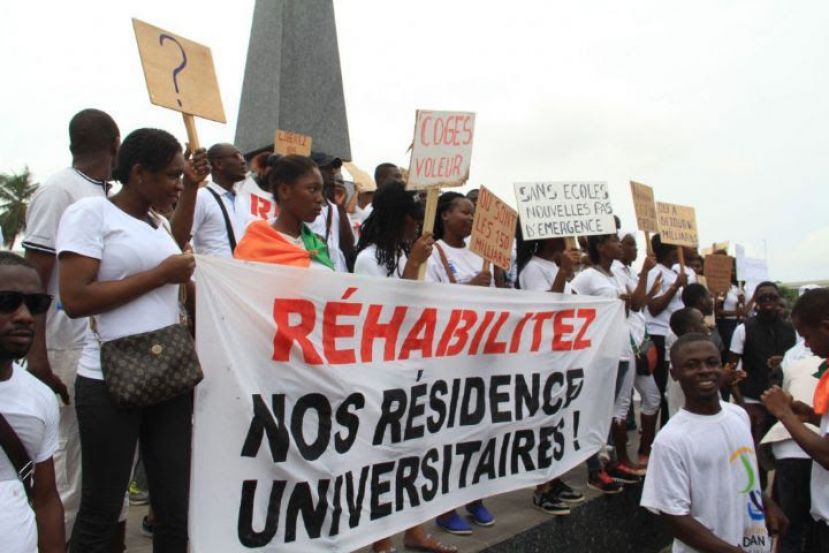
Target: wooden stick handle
(429, 221)
(485, 267)
(680, 252)
(648, 245)
(192, 135)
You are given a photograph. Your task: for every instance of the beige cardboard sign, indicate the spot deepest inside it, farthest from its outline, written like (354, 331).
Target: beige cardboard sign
(441, 150)
(290, 143)
(493, 229)
(677, 224)
(643, 204)
(179, 72)
(718, 269)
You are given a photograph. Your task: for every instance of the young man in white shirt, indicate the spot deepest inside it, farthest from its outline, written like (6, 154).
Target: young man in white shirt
(811, 318)
(333, 224)
(94, 139)
(221, 213)
(702, 476)
(31, 410)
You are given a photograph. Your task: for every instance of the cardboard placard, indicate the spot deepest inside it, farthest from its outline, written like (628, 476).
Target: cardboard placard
(179, 72)
(493, 229)
(560, 209)
(442, 149)
(288, 143)
(718, 269)
(677, 224)
(644, 206)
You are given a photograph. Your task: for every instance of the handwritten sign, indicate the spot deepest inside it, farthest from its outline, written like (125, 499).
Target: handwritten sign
(559, 209)
(718, 269)
(644, 206)
(677, 224)
(291, 143)
(179, 72)
(442, 149)
(493, 229)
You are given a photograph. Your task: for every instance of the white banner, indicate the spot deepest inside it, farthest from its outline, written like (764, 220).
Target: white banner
(337, 409)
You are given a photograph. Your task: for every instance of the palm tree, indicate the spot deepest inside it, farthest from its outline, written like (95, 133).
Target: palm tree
(15, 192)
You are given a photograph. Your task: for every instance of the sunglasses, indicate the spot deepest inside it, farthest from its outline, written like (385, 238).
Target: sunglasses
(37, 304)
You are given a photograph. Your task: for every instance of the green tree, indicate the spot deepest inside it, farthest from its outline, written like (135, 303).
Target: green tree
(15, 191)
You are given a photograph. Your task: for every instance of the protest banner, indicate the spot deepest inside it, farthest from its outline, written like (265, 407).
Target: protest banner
(677, 224)
(561, 209)
(493, 229)
(179, 75)
(339, 409)
(441, 150)
(291, 143)
(644, 206)
(717, 272)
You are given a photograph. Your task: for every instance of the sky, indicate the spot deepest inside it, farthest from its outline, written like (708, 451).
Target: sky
(721, 105)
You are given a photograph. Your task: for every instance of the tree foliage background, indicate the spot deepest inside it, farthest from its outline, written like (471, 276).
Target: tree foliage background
(16, 190)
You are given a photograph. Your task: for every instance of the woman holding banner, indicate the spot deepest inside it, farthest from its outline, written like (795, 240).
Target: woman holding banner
(120, 264)
(287, 240)
(390, 248)
(453, 262)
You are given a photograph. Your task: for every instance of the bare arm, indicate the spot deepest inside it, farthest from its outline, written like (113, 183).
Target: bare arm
(48, 510)
(567, 262)
(38, 361)
(690, 531)
(780, 405)
(640, 296)
(195, 172)
(84, 295)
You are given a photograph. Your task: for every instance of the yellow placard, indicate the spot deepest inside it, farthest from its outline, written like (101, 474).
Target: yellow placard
(493, 229)
(718, 269)
(291, 143)
(644, 206)
(677, 224)
(179, 72)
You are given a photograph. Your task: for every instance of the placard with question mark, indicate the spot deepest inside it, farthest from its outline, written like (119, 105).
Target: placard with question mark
(179, 72)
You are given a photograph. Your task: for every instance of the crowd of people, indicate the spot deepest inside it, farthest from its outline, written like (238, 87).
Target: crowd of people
(731, 387)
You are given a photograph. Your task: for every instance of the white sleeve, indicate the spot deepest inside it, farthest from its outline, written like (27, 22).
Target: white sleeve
(366, 264)
(583, 283)
(81, 230)
(50, 435)
(667, 488)
(43, 216)
(738, 339)
(200, 210)
(532, 278)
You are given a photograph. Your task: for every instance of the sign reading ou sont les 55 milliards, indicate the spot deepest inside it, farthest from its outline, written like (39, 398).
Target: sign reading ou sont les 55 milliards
(442, 149)
(338, 409)
(560, 209)
(493, 229)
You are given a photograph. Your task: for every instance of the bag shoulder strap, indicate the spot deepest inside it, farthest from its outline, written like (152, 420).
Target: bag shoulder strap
(445, 263)
(17, 454)
(231, 236)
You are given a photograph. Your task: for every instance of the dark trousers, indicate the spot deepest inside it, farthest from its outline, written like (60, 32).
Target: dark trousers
(791, 489)
(819, 542)
(660, 374)
(109, 436)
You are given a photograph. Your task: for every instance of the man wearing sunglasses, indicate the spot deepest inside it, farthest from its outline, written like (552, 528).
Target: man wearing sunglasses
(29, 433)
(767, 337)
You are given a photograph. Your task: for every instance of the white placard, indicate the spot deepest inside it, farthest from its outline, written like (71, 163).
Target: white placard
(560, 209)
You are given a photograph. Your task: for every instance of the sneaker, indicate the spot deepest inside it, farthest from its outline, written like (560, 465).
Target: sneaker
(623, 474)
(454, 524)
(567, 494)
(550, 503)
(137, 495)
(602, 482)
(147, 526)
(636, 469)
(480, 514)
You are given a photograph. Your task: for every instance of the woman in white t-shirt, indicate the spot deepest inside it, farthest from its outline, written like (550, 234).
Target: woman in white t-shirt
(544, 265)
(390, 248)
(600, 280)
(119, 262)
(452, 262)
(729, 310)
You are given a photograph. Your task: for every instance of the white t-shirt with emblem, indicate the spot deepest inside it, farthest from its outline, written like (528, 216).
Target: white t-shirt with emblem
(96, 228)
(463, 263)
(48, 204)
(705, 466)
(31, 409)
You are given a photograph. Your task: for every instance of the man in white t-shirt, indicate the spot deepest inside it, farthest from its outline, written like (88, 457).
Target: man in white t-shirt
(222, 212)
(332, 224)
(811, 318)
(94, 140)
(702, 476)
(31, 411)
